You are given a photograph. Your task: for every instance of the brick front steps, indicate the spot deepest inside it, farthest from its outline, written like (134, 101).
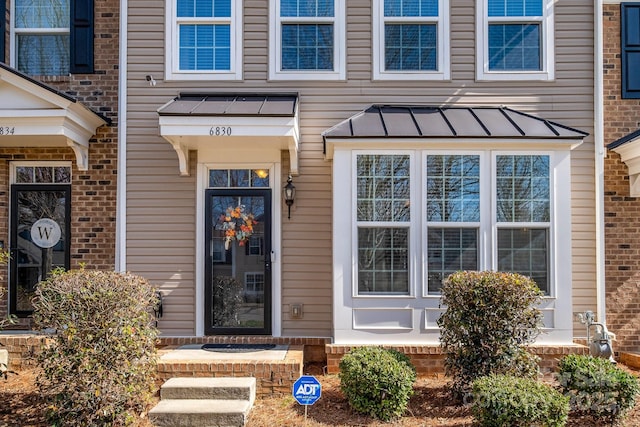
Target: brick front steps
(273, 376)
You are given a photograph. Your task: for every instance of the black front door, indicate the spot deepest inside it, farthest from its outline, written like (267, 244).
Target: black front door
(238, 262)
(39, 239)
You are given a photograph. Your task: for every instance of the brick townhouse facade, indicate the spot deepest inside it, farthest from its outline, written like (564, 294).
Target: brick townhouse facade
(621, 205)
(89, 89)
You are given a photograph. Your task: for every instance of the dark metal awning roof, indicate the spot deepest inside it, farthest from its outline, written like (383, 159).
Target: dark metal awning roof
(244, 105)
(194, 121)
(445, 122)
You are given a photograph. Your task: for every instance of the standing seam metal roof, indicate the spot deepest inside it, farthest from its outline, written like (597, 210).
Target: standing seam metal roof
(416, 121)
(229, 104)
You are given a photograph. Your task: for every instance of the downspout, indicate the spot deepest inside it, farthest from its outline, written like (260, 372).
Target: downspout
(121, 192)
(598, 102)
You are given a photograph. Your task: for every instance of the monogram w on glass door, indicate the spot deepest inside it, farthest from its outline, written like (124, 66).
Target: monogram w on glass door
(238, 261)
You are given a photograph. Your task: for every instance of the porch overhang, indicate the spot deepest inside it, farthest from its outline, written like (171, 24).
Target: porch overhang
(237, 121)
(629, 149)
(448, 127)
(33, 114)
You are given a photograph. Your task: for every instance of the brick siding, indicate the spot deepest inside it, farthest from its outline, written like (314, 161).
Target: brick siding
(93, 192)
(622, 212)
(429, 359)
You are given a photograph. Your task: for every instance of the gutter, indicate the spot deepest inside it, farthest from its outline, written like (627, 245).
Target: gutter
(599, 148)
(121, 192)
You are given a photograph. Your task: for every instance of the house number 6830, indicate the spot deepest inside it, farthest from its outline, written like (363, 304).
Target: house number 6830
(7, 130)
(220, 131)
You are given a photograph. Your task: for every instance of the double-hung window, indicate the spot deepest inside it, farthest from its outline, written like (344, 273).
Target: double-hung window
(51, 37)
(307, 40)
(204, 40)
(411, 39)
(453, 215)
(515, 40)
(383, 224)
(523, 216)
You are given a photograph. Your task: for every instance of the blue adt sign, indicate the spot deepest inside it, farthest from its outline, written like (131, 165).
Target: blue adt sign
(307, 390)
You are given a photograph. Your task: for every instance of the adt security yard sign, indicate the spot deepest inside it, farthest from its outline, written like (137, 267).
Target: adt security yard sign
(307, 390)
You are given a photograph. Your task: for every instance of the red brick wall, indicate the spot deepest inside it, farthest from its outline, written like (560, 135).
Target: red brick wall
(93, 192)
(622, 212)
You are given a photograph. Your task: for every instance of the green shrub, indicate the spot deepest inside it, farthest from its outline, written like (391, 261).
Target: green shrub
(377, 382)
(505, 401)
(99, 368)
(597, 387)
(9, 319)
(489, 318)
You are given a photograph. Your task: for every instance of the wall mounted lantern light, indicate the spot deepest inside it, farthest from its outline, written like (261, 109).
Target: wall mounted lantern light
(289, 194)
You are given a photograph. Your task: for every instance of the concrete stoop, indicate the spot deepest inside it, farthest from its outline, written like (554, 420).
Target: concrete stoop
(204, 402)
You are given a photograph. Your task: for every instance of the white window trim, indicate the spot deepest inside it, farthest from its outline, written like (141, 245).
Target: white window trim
(414, 215)
(546, 45)
(13, 58)
(339, 71)
(443, 55)
(172, 58)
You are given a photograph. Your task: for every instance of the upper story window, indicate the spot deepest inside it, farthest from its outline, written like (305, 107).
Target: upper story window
(52, 37)
(411, 39)
(204, 40)
(515, 40)
(307, 40)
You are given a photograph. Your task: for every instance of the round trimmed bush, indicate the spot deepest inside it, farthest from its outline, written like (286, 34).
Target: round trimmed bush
(377, 382)
(597, 387)
(505, 401)
(99, 366)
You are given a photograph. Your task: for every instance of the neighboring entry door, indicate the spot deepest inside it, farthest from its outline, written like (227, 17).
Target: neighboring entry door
(238, 261)
(39, 239)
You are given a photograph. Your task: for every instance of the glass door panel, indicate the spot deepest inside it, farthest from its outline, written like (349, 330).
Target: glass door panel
(238, 266)
(39, 239)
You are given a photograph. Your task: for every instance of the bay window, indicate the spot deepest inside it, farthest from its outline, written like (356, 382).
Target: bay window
(476, 211)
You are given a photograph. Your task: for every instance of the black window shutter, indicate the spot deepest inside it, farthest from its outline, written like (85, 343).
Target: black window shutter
(630, 32)
(81, 37)
(3, 28)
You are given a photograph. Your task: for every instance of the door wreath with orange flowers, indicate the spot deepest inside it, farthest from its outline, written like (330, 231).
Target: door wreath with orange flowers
(237, 225)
